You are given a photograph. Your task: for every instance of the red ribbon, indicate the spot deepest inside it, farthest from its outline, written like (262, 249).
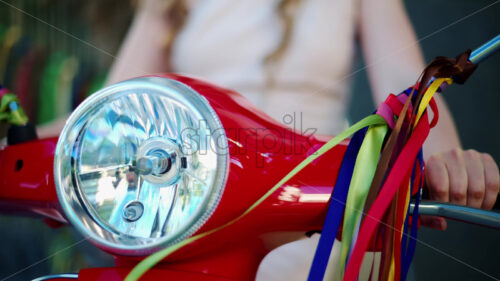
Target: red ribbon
(398, 173)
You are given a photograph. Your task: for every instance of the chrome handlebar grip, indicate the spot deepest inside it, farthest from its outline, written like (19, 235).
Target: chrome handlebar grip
(465, 214)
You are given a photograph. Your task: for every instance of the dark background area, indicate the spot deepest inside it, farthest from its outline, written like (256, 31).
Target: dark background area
(439, 256)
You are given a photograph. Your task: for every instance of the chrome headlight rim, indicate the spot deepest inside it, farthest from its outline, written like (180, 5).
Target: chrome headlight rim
(74, 205)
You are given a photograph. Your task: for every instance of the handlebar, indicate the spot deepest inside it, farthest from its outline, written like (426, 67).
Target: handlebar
(490, 219)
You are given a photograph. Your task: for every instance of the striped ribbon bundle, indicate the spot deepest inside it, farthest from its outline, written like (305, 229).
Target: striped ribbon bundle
(371, 169)
(382, 168)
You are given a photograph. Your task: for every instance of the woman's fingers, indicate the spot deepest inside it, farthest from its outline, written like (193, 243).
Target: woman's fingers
(492, 181)
(461, 177)
(475, 178)
(437, 179)
(437, 223)
(457, 176)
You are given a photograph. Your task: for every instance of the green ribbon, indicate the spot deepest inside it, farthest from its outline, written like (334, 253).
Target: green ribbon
(361, 180)
(153, 259)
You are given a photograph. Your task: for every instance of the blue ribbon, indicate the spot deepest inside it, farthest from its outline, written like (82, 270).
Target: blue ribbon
(336, 209)
(408, 253)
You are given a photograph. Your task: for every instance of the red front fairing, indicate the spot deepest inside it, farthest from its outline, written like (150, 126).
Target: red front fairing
(261, 152)
(27, 180)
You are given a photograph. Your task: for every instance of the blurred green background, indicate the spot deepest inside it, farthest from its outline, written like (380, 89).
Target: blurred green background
(28, 241)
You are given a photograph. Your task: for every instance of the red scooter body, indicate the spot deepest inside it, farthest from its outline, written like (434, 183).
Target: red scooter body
(262, 151)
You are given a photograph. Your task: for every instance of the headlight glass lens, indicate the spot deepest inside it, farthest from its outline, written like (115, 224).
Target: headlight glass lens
(141, 164)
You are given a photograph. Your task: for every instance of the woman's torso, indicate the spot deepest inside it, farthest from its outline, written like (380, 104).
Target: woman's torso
(226, 42)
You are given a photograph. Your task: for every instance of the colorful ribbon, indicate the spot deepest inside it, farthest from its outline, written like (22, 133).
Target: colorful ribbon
(395, 178)
(362, 177)
(335, 209)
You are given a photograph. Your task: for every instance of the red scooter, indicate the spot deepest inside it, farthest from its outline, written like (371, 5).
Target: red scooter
(148, 162)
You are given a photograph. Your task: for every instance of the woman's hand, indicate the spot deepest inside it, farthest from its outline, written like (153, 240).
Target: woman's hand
(461, 177)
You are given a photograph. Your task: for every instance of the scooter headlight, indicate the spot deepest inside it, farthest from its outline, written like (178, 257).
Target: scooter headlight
(141, 164)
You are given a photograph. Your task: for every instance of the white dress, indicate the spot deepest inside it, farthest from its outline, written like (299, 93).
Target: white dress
(226, 41)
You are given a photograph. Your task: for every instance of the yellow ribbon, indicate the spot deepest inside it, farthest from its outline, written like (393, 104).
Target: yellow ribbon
(431, 90)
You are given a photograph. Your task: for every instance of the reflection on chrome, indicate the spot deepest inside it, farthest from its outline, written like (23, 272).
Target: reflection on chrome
(57, 276)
